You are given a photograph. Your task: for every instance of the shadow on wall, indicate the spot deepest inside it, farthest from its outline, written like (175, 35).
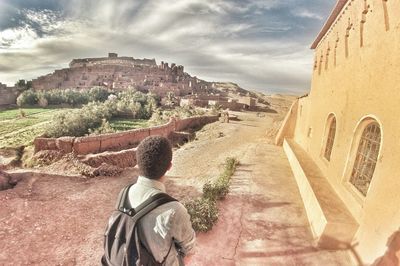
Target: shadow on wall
(391, 256)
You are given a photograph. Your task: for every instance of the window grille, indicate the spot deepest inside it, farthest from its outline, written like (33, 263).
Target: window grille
(330, 139)
(366, 158)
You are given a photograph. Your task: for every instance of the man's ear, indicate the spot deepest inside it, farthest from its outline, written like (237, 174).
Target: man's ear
(170, 166)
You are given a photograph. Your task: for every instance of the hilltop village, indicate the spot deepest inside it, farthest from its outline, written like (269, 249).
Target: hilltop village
(119, 73)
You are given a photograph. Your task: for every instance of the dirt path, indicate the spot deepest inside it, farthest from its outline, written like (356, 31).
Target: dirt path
(56, 220)
(262, 221)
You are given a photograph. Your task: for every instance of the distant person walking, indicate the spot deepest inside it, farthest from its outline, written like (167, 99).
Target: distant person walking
(149, 227)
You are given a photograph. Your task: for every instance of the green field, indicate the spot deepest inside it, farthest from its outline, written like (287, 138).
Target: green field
(122, 124)
(21, 126)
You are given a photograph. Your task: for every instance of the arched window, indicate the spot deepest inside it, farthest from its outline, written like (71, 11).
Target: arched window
(330, 138)
(366, 157)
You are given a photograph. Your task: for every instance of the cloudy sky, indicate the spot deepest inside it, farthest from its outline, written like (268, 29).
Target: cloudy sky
(261, 45)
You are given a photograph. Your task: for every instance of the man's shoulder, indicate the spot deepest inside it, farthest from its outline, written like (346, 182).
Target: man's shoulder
(176, 205)
(178, 208)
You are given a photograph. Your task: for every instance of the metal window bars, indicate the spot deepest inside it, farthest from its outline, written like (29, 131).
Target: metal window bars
(330, 139)
(366, 158)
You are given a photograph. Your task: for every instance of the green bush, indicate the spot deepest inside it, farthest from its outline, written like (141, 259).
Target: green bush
(160, 117)
(93, 118)
(72, 97)
(28, 97)
(203, 213)
(104, 128)
(139, 105)
(79, 122)
(230, 166)
(43, 102)
(220, 187)
(217, 190)
(98, 94)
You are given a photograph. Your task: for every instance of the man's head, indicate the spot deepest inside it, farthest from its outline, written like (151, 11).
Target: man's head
(154, 156)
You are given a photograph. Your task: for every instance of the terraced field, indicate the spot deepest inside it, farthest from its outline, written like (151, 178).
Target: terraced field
(122, 124)
(21, 126)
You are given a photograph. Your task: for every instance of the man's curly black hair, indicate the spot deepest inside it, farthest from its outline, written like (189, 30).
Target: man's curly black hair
(154, 156)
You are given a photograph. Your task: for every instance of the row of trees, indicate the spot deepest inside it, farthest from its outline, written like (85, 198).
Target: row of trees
(71, 97)
(94, 117)
(98, 107)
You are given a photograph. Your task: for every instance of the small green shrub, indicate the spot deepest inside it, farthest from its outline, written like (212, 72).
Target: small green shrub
(230, 166)
(220, 187)
(163, 116)
(78, 122)
(98, 94)
(22, 113)
(104, 128)
(217, 190)
(43, 102)
(203, 213)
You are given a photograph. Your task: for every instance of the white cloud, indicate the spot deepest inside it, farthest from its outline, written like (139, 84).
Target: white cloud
(304, 13)
(242, 41)
(17, 38)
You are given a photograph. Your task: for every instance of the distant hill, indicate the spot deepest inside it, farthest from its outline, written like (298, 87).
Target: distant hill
(121, 72)
(233, 90)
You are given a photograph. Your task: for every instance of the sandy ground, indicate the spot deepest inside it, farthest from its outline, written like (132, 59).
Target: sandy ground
(56, 220)
(262, 221)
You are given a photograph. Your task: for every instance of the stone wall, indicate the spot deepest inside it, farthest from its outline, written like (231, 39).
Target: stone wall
(117, 141)
(8, 95)
(288, 125)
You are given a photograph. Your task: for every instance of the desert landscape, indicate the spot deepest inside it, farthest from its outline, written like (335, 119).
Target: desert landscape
(282, 118)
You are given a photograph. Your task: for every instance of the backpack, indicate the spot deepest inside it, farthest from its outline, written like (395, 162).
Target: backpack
(123, 243)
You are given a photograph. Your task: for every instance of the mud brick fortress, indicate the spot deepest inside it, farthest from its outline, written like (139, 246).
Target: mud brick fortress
(342, 140)
(120, 73)
(8, 95)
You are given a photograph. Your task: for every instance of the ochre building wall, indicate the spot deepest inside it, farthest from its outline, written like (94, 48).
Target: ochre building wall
(356, 81)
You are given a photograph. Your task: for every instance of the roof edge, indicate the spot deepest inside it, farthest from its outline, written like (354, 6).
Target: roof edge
(331, 19)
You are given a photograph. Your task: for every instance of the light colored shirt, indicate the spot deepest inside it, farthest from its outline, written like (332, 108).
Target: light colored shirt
(163, 224)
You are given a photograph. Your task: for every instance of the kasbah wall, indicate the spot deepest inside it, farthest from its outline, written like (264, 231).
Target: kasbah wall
(121, 73)
(8, 95)
(118, 141)
(356, 79)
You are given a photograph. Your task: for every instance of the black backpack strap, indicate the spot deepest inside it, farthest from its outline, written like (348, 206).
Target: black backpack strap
(123, 199)
(150, 204)
(166, 256)
(144, 208)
